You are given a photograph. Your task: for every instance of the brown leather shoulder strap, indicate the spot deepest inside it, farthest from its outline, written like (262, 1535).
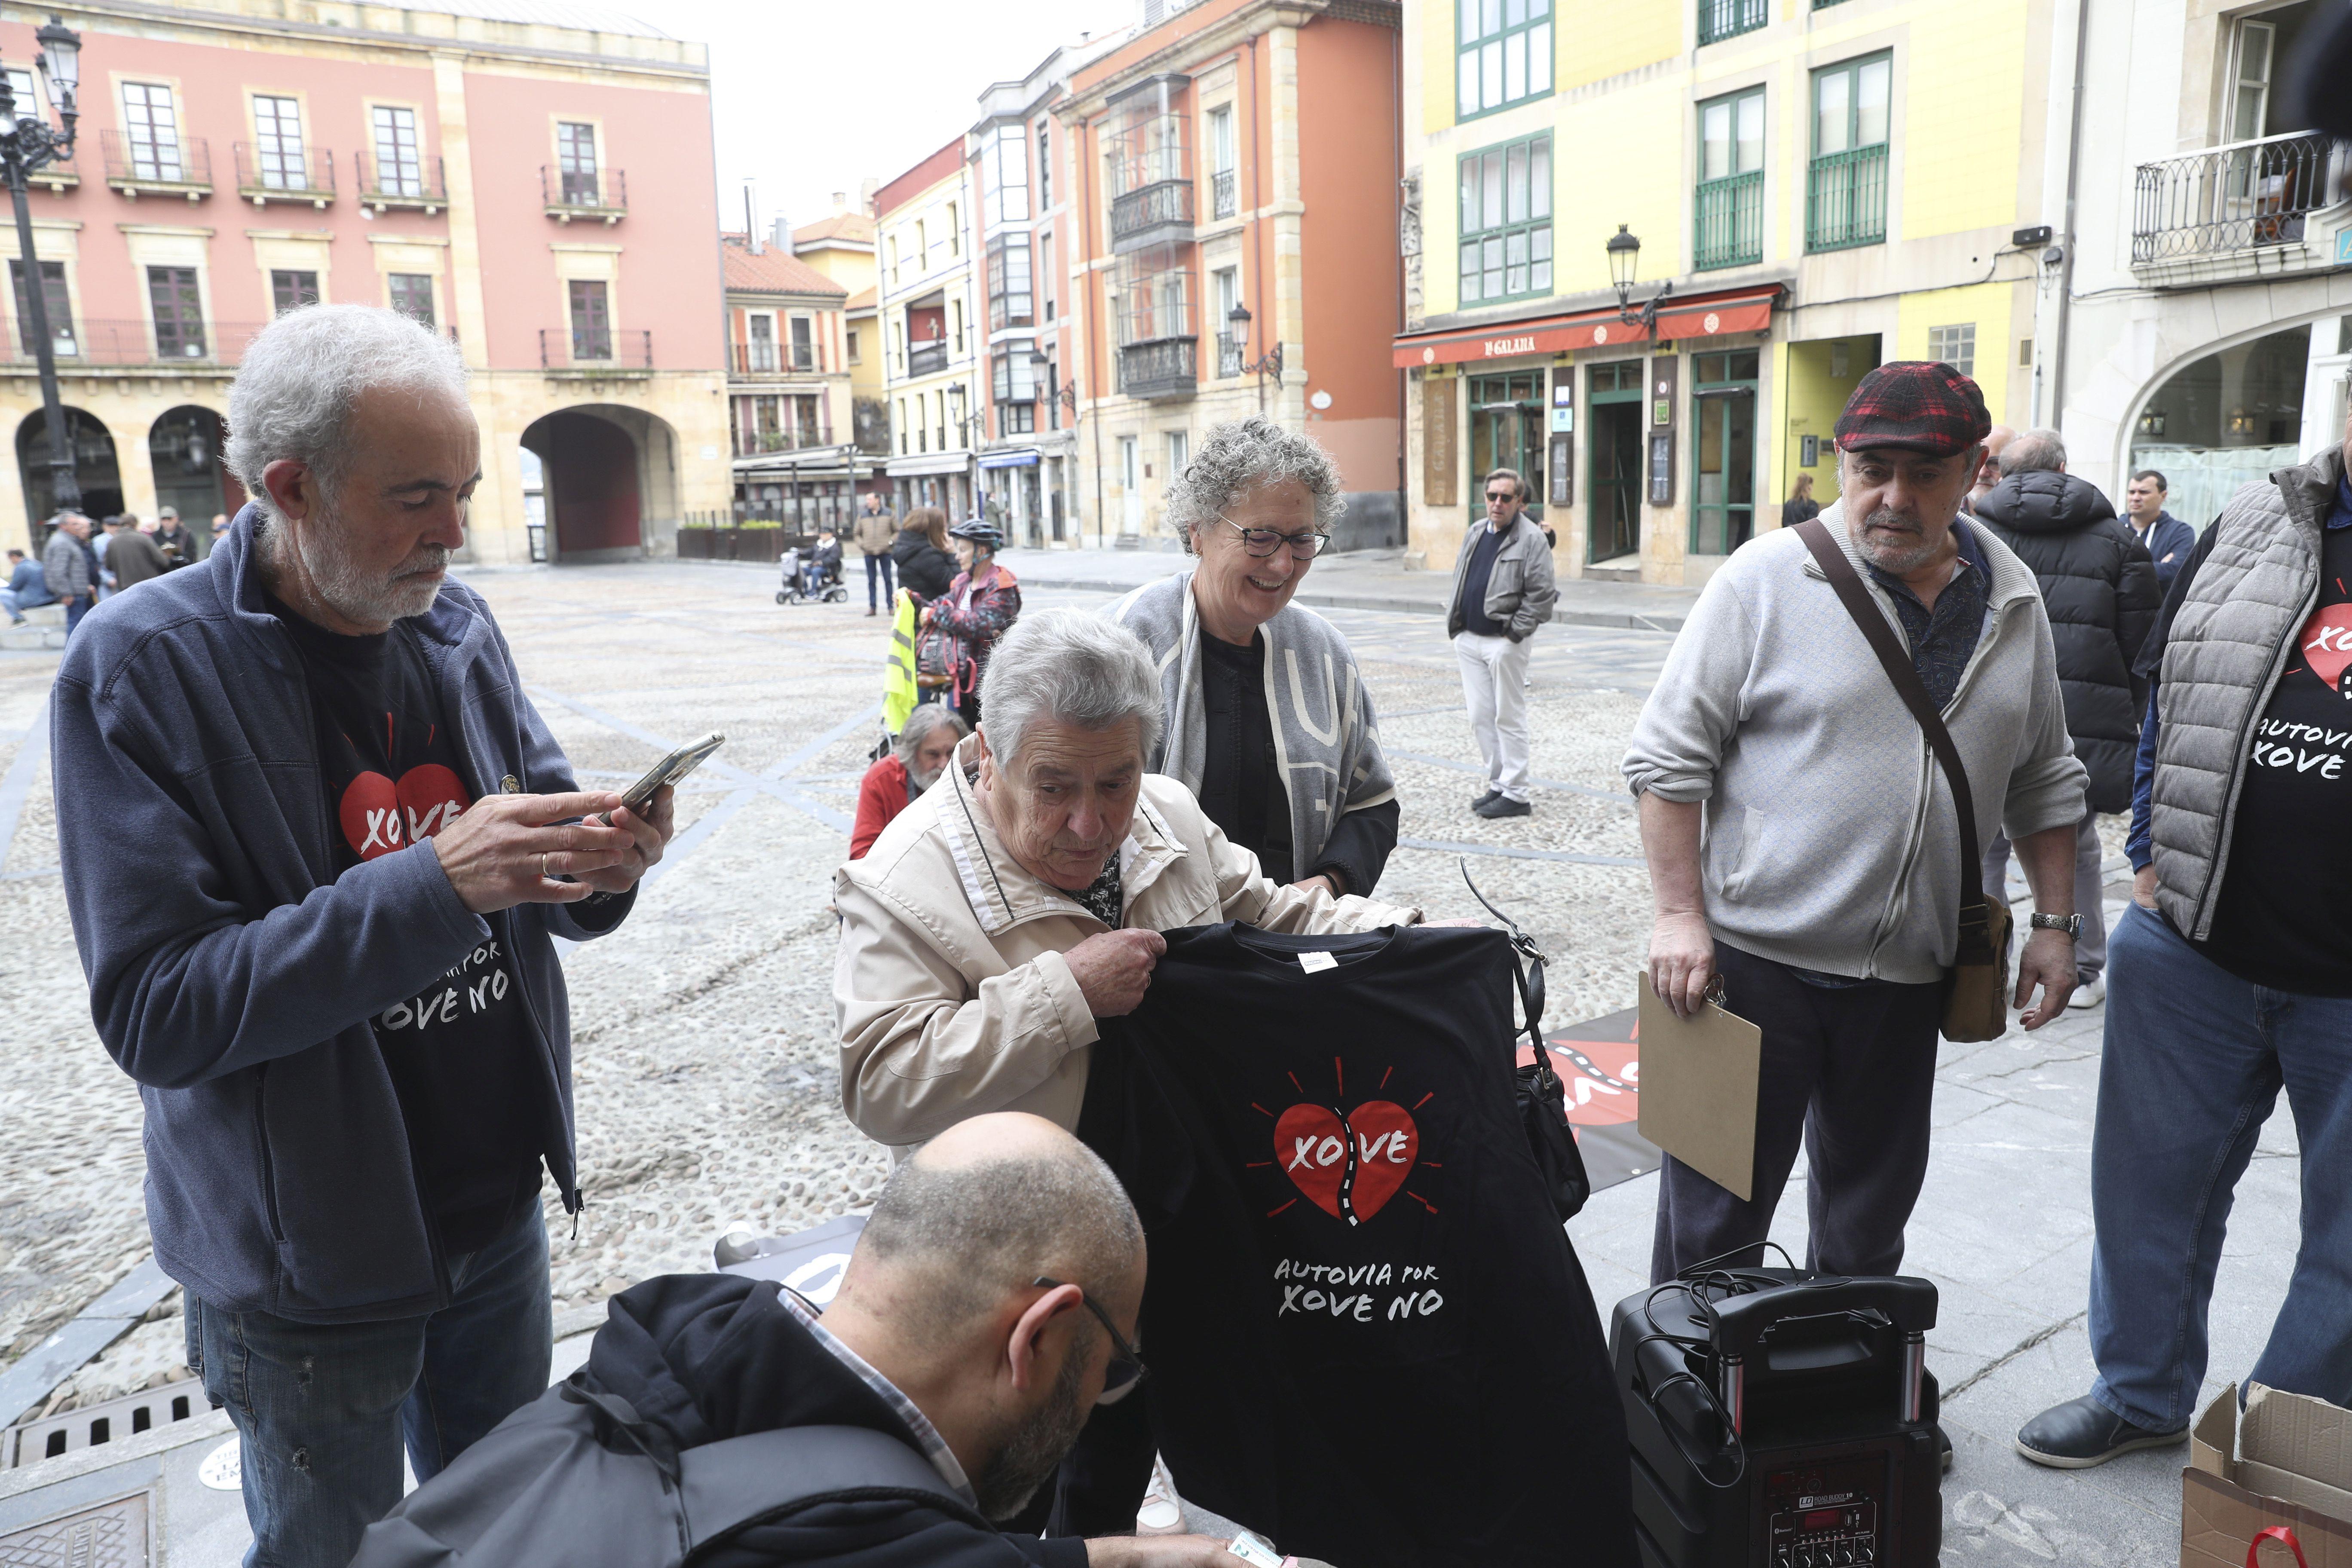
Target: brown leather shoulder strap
(1872, 623)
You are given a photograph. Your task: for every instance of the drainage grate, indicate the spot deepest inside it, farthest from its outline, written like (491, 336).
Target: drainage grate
(111, 1535)
(108, 1423)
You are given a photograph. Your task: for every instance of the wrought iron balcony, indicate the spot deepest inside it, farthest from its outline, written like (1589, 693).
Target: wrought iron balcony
(1731, 221)
(1161, 368)
(281, 174)
(167, 166)
(2238, 197)
(755, 443)
(927, 359)
(1158, 214)
(1720, 19)
(116, 343)
(1845, 199)
(598, 194)
(1221, 194)
(774, 359)
(1229, 355)
(596, 348)
(405, 184)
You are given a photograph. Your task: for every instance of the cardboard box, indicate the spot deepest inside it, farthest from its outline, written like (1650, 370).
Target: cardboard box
(2289, 1462)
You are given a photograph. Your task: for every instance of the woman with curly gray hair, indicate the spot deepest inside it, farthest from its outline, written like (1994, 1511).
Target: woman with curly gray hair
(1266, 720)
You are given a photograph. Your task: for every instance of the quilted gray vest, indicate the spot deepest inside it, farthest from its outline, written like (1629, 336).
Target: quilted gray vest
(2230, 643)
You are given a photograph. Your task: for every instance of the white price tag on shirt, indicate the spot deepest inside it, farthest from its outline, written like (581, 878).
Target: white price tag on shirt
(1316, 963)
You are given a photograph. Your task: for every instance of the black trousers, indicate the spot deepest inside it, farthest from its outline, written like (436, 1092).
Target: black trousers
(1850, 1071)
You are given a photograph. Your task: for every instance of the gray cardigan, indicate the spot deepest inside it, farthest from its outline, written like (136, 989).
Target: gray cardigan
(1831, 839)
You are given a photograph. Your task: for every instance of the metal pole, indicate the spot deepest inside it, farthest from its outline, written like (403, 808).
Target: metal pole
(65, 491)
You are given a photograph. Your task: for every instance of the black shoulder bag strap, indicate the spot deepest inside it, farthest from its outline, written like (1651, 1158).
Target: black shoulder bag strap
(1541, 1099)
(1976, 930)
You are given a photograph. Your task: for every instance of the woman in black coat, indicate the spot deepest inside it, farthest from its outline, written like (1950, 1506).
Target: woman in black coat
(925, 568)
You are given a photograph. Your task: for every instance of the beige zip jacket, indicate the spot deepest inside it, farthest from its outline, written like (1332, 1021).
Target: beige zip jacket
(950, 992)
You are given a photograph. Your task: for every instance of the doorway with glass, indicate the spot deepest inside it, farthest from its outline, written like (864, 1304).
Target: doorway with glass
(1613, 405)
(1507, 415)
(1723, 517)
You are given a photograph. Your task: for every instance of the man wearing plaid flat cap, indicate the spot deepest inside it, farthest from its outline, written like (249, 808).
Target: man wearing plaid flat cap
(1801, 838)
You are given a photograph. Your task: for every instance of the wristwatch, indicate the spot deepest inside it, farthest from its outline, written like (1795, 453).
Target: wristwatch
(2070, 924)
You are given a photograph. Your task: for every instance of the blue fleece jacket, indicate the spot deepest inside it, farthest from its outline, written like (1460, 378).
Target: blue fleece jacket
(233, 973)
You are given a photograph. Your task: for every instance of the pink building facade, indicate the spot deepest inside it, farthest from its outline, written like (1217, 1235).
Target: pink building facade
(543, 195)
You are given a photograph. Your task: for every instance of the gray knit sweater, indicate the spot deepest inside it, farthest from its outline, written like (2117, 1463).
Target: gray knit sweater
(1831, 842)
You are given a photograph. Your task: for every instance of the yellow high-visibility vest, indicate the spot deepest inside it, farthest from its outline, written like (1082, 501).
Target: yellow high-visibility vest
(899, 691)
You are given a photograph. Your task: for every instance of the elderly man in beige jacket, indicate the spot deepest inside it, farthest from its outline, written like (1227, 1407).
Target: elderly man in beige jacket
(1007, 909)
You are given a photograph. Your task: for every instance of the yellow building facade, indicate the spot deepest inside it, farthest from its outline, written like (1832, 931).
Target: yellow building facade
(1804, 190)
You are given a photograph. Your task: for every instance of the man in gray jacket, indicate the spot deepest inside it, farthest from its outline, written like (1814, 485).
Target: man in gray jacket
(1826, 888)
(65, 565)
(1502, 591)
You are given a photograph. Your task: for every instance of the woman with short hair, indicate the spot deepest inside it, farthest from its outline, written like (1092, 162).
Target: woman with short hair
(1267, 718)
(913, 765)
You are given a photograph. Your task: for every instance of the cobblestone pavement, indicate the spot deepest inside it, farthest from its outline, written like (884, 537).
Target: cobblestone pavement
(708, 1084)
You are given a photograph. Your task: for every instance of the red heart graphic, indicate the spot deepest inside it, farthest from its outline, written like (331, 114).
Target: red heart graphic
(2326, 642)
(1313, 1149)
(378, 818)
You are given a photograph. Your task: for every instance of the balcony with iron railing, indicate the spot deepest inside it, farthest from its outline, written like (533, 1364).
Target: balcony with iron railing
(760, 443)
(1157, 214)
(116, 345)
(1845, 199)
(283, 174)
(601, 195)
(1159, 368)
(599, 349)
(402, 185)
(1731, 221)
(171, 166)
(2238, 197)
(1720, 19)
(1229, 355)
(773, 358)
(927, 358)
(1222, 200)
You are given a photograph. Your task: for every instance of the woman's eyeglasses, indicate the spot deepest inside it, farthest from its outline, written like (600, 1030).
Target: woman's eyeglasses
(1126, 1368)
(1263, 542)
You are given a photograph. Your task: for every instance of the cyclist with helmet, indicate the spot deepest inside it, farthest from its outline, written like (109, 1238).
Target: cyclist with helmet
(979, 608)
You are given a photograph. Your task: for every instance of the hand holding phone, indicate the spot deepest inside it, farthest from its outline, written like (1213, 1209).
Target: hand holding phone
(671, 770)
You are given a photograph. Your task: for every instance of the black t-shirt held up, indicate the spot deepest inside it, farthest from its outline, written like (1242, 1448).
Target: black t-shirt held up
(462, 1054)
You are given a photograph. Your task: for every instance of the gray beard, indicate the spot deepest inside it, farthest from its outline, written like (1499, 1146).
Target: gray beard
(1033, 1451)
(350, 591)
(1896, 558)
(924, 780)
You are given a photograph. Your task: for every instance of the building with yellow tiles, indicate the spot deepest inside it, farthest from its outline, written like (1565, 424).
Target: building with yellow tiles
(1802, 189)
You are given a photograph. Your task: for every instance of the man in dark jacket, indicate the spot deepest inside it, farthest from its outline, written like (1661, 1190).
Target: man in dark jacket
(132, 556)
(2168, 540)
(990, 1304)
(317, 917)
(2100, 587)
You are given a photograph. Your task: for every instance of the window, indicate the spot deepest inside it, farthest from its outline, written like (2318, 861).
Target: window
(179, 312)
(1224, 200)
(1723, 391)
(592, 320)
(1225, 293)
(1955, 346)
(1720, 19)
(1006, 167)
(575, 158)
(1045, 270)
(292, 290)
(411, 296)
(399, 165)
(2250, 91)
(1016, 419)
(277, 143)
(1129, 464)
(1053, 392)
(1013, 378)
(760, 350)
(1846, 194)
(893, 261)
(850, 337)
(54, 300)
(1010, 301)
(1506, 222)
(153, 129)
(1503, 53)
(955, 315)
(1179, 451)
(955, 231)
(922, 250)
(1730, 219)
(20, 83)
(1045, 165)
(902, 427)
(803, 344)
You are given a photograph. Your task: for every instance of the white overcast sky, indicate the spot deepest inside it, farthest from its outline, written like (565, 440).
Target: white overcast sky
(812, 96)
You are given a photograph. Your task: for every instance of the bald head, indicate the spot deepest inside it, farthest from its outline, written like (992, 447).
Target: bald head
(990, 1205)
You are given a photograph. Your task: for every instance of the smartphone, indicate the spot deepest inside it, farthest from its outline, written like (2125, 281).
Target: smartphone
(672, 769)
(1257, 1550)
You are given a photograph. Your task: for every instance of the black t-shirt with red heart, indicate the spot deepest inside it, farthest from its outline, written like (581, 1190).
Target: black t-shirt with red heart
(461, 1053)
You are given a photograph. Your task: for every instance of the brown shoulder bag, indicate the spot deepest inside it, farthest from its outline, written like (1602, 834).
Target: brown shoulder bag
(1976, 1003)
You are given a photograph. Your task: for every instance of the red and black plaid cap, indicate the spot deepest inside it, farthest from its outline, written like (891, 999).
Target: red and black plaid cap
(1921, 406)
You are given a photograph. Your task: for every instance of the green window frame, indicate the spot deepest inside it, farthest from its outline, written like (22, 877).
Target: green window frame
(1721, 19)
(1846, 185)
(1724, 449)
(1729, 199)
(1503, 51)
(1506, 211)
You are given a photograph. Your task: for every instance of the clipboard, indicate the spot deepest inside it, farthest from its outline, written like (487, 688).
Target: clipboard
(1699, 1079)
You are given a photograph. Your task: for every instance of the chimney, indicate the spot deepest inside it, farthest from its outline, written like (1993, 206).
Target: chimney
(865, 189)
(783, 233)
(841, 200)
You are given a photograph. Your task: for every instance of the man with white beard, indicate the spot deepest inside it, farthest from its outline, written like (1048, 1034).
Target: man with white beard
(318, 907)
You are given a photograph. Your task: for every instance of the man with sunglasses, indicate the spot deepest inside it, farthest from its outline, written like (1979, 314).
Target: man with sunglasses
(988, 1308)
(1502, 591)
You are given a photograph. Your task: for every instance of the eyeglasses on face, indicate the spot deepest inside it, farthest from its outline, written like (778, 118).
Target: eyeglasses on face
(1126, 1369)
(1263, 542)
(1502, 495)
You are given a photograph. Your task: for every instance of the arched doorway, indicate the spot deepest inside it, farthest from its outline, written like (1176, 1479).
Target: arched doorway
(2224, 420)
(183, 449)
(94, 466)
(589, 471)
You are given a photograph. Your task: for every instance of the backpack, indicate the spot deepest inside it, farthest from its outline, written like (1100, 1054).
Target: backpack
(576, 1479)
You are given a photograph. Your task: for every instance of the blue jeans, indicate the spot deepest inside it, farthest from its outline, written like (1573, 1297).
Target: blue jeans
(884, 566)
(323, 1408)
(2194, 1061)
(75, 608)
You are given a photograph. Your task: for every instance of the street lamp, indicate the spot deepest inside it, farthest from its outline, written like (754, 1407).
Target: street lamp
(1067, 394)
(1238, 321)
(26, 146)
(1625, 260)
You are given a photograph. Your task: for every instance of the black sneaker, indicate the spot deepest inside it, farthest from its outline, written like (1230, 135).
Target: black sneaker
(2083, 1431)
(1485, 800)
(1504, 805)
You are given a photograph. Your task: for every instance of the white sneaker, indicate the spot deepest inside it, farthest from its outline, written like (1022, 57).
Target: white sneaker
(1163, 1513)
(2090, 993)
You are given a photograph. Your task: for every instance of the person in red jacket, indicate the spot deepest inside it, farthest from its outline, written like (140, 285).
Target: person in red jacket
(923, 747)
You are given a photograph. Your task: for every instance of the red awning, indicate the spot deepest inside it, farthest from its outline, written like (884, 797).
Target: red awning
(1735, 311)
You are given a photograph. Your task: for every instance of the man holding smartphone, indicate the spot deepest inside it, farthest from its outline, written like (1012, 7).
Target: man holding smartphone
(319, 920)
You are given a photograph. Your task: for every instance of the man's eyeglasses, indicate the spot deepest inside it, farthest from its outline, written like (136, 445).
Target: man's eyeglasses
(1502, 495)
(1126, 1368)
(1263, 542)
